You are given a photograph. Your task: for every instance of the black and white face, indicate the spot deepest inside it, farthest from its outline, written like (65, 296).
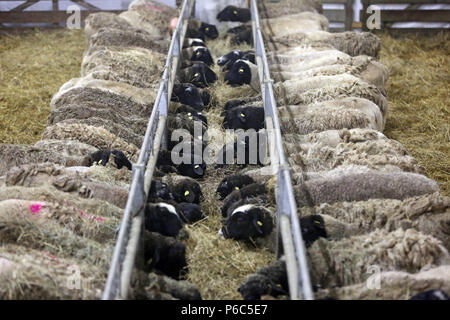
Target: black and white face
(188, 94)
(239, 74)
(232, 13)
(195, 42)
(202, 54)
(209, 30)
(236, 118)
(248, 221)
(162, 218)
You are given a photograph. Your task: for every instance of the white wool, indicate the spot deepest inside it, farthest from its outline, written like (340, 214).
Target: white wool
(169, 207)
(244, 208)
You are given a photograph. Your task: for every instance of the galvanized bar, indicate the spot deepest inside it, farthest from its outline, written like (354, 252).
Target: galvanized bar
(288, 222)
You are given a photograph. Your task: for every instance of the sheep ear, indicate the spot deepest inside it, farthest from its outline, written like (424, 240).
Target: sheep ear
(258, 224)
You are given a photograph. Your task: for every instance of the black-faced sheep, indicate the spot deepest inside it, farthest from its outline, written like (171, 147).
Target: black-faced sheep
(160, 192)
(199, 74)
(189, 212)
(245, 36)
(431, 295)
(165, 254)
(197, 53)
(231, 57)
(244, 118)
(162, 218)
(270, 280)
(101, 157)
(190, 165)
(233, 182)
(160, 287)
(192, 113)
(185, 189)
(188, 94)
(202, 30)
(243, 72)
(235, 14)
(253, 190)
(247, 222)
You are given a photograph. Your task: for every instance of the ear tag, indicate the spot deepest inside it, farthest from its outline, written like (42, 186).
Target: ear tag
(198, 53)
(190, 118)
(207, 29)
(186, 193)
(318, 222)
(189, 114)
(241, 70)
(196, 74)
(100, 161)
(196, 166)
(242, 115)
(259, 223)
(235, 12)
(236, 188)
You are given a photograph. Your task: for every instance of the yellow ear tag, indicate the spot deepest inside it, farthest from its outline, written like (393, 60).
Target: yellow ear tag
(186, 193)
(241, 70)
(242, 115)
(207, 29)
(100, 161)
(235, 12)
(237, 188)
(318, 222)
(189, 114)
(198, 53)
(196, 74)
(279, 285)
(259, 223)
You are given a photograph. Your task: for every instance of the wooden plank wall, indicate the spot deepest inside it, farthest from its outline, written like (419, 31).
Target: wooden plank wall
(18, 16)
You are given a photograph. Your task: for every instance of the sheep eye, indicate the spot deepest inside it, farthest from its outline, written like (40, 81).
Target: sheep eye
(186, 193)
(241, 70)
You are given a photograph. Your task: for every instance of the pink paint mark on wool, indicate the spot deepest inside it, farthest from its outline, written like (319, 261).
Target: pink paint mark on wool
(154, 7)
(35, 208)
(83, 214)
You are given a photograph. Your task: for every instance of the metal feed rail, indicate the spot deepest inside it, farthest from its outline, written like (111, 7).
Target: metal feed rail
(288, 222)
(129, 238)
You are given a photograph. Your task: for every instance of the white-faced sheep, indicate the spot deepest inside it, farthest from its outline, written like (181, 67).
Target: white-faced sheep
(160, 287)
(292, 23)
(272, 9)
(355, 183)
(346, 262)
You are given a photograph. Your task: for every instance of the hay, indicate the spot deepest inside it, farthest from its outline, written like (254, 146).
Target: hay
(33, 65)
(418, 100)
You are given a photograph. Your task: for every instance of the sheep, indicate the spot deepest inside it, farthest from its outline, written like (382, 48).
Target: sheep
(114, 114)
(399, 250)
(34, 175)
(345, 262)
(123, 132)
(185, 189)
(151, 16)
(191, 113)
(231, 183)
(160, 192)
(193, 42)
(94, 136)
(93, 206)
(271, 9)
(270, 280)
(12, 155)
(431, 295)
(235, 14)
(99, 20)
(380, 154)
(293, 23)
(323, 88)
(138, 67)
(245, 36)
(247, 222)
(107, 37)
(160, 287)
(231, 57)
(351, 43)
(362, 67)
(131, 101)
(334, 114)
(243, 72)
(183, 122)
(162, 218)
(199, 74)
(102, 157)
(31, 274)
(165, 254)
(188, 94)
(253, 190)
(72, 218)
(428, 213)
(202, 30)
(196, 53)
(245, 118)
(358, 184)
(396, 285)
(23, 228)
(195, 167)
(68, 148)
(189, 212)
